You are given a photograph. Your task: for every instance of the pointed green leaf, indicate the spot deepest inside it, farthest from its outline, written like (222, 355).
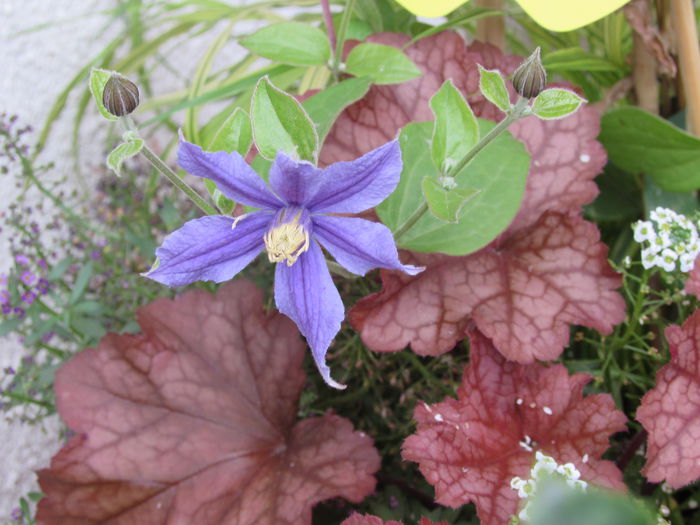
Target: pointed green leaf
(556, 103)
(443, 203)
(98, 79)
(325, 106)
(639, 142)
(498, 173)
(493, 87)
(234, 134)
(385, 64)
(280, 123)
(129, 148)
(290, 43)
(456, 129)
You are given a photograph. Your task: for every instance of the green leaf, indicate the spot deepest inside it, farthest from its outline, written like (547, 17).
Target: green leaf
(456, 129)
(493, 87)
(556, 103)
(577, 59)
(234, 134)
(60, 268)
(639, 142)
(290, 43)
(129, 148)
(280, 123)
(9, 326)
(684, 202)
(98, 79)
(81, 283)
(445, 204)
(385, 64)
(498, 173)
(325, 106)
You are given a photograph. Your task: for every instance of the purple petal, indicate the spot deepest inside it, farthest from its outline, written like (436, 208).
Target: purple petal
(209, 249)
(359, 245)
(305, 292)
(230, 172)
(355, 186)
(295, 182)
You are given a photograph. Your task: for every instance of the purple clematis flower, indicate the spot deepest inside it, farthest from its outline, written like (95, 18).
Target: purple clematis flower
(294, 217)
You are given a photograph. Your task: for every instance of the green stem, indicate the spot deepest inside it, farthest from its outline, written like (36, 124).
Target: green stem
(169, 174)
(518, 112)
(340, 37)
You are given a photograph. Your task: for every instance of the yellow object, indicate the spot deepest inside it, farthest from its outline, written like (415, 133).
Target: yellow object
(556, 15)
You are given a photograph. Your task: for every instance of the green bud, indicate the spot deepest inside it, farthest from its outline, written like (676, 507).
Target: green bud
(530, 77)
(120, 95)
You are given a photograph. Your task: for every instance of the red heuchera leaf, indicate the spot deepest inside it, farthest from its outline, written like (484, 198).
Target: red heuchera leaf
(670, 412)
(471, 447)
(367, 519)
(546, 271)
(193, 422)
(692, 285)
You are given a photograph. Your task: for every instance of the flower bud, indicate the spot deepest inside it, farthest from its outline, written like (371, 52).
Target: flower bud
(120, 95)
(530, 77)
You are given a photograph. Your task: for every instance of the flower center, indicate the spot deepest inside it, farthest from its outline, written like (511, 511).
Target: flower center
(288, 237)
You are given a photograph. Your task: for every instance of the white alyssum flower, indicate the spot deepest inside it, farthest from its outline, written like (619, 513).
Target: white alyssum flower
(545, 467)
(670, 241)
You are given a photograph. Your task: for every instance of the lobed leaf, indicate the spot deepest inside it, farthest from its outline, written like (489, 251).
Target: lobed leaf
(367, 519)
(470, 454)
(547, 270)
(194, 422)
(670, 412)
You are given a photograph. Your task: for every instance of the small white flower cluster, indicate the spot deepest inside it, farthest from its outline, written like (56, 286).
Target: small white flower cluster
(670, 238)
(545, 466)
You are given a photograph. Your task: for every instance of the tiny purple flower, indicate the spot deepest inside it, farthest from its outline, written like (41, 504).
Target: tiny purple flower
(293, 221)
(28, 297)
(42, 264)
(43, 286)
(95, 254)
(5, 297)
(22, 259)
(9, 370)
(6, 309)
(27, 277)
(18, 311)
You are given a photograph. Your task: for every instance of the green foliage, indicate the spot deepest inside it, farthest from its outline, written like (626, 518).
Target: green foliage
(129, 148)
(290, 43)
(640, 142)
(500, 186)
(384, 64)
(281, 124)
(456, 130)
(556, 103)
(98, 80)
(445, 203)
(493, 87)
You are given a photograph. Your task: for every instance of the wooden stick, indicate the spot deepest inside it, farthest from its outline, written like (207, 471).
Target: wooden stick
(689, 58)
(492, 29)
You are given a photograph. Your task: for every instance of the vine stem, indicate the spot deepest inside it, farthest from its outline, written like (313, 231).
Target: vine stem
(518, 111)
(340, 39)
(169, 174)
(328, 19)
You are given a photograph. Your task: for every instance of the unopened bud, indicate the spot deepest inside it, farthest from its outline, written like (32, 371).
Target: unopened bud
(120, 95)
(530, 77)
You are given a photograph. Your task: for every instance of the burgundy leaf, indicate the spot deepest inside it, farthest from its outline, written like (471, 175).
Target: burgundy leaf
(522, 292)
(692, 284)
(471, 447)
(546, 271)
(670, 412)
(194, 422)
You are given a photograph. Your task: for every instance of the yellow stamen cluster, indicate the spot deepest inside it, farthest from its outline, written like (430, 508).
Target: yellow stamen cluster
(286, 241)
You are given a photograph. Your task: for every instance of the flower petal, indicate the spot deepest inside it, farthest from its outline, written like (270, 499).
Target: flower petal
(305, 292)
(359, 245)
(295, 182)
(230, 172)
(360, 184)
(210, 249)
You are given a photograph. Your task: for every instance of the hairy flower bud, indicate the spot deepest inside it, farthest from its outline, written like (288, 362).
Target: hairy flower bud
(530, 77)
(120, 95)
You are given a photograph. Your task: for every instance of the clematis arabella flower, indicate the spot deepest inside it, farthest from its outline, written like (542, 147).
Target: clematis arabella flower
(294, 219)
